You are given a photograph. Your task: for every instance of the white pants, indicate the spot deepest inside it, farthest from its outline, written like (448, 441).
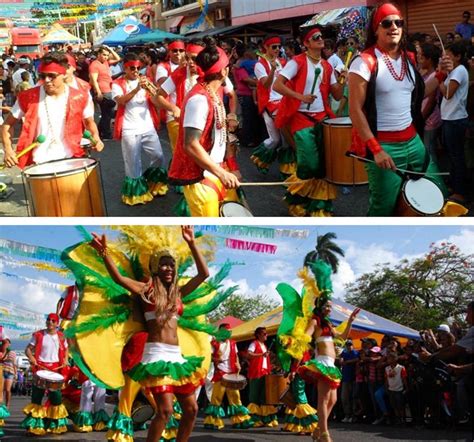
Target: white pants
(273, 133)
(132, 146)
(92, 397)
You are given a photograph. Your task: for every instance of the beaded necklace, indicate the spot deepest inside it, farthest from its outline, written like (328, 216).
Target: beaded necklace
(55, 137)
(219, 114)
(391, 68)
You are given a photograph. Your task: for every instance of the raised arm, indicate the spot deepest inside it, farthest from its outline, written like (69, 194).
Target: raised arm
(201, 265)
(344, 335)
(99, 243)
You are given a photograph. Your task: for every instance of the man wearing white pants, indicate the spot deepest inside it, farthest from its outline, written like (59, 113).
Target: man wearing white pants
(135, 125)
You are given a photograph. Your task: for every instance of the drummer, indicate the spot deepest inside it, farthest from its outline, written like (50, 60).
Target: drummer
(200, 162)
(305, 83)
(58, 112)
(259, 367)
(47, 350)
(226, 361)
(385, 109)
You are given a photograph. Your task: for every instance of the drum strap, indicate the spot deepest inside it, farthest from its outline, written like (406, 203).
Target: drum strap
(220, 192)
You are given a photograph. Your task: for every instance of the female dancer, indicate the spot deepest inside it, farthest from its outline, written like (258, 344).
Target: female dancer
(321, 370)
(163, 370)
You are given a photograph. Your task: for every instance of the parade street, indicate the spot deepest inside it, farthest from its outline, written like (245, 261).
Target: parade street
(339, 432)
(263, 200)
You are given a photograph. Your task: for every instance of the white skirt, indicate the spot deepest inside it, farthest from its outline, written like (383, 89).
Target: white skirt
(157, 351)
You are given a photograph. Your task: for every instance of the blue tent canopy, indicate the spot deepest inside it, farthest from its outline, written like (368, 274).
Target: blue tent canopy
(155, 36)
(118, 36)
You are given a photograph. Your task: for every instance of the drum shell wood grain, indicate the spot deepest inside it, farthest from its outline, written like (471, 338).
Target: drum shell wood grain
(341, 169)
(73, 192)
(233, 383)
(275, 385)
(288, 399)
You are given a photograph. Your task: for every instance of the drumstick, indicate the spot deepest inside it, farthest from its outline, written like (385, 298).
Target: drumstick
(317, 71)
(411, 172)
(349, 55)
(39, 139)
(444, 52)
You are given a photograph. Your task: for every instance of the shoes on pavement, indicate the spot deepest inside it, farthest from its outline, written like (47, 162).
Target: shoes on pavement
(379, 421)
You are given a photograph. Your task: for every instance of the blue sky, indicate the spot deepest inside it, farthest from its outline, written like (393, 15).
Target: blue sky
(365, 247)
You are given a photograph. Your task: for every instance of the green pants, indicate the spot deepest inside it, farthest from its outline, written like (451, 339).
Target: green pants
(385, 185)
(257, 391)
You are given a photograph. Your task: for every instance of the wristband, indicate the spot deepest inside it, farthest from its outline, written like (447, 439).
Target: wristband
(440, 76)
(232, 163)
(104, 252)
(373, 145)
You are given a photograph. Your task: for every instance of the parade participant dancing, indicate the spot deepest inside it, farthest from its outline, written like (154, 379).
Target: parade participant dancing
(136, 123)
(176, 55)
(162, 369)
(54, 110)
(259, 367)
(4, 413)
(321, 370)
(305, 83)
(385, 97)
(47, 350)
(201, 163)
(266, 71)
(226, 361)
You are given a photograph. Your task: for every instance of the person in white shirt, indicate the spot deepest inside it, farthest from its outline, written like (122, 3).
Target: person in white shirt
(455, 118)
(330, 54)
(46, 351)
(385, 94)
(23, 64)
(136, 123)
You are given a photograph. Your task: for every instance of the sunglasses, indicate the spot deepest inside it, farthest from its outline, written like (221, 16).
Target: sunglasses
(191, 58)
(50, 75)
(51, 320)
(175, 51)
(275, 47)
(387, 24)
(316, 37)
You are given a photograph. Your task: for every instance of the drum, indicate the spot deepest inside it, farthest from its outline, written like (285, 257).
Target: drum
(234, 381)
(48, 380)
(70, 187)
(275, 385)
(142, 410)
(233, 209)
(287, 398)
(419, 197)
(341, 169)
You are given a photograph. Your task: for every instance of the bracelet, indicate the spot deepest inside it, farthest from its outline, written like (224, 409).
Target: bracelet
(373, 145)
(104, 252)
(441, 76)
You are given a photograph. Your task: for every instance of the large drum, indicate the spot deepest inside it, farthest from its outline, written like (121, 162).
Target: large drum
(341, 169)
(420, 197)
(48, 380)
(142, 409)
(70, 187)
(234, 381)
(275, 386)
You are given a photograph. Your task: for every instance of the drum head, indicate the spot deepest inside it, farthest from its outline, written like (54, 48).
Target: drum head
(49, 375)
(142, 413)
(340, 121)
(85, 143)
(233, 377)
(231, 209)
(424, 196)
(60, 167)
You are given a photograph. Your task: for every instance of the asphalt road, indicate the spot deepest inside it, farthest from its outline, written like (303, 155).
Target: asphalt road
(264, 201)
(340, 432)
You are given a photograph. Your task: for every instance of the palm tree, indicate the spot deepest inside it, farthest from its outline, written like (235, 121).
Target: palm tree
(326, 250)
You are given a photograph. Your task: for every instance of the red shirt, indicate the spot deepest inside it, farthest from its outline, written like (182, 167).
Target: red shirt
(241, 88)
(104, 78)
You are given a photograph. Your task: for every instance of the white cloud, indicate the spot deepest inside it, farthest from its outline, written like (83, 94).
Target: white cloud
(277, 269)
(344, 275)
(464, 240)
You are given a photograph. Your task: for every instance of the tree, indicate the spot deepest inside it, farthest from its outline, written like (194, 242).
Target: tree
(243, 307)
(325, 250)
(422, 293)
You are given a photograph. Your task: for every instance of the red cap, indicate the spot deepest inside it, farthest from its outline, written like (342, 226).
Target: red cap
(272, 41)
(311, 33)
(382, 12)
(178, 44)
(53, 316)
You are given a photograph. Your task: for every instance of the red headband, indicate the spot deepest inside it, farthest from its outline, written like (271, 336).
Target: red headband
(71, 61)
(194, 49)
(272, 41)
(53, 316)
(311, 33)
(135, 63)
(51, 68)
(176, 45)
(219, 64)
(382, 12)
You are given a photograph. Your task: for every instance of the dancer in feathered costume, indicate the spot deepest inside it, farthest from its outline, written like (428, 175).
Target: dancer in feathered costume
(4, 413)
(138, 293)
(300, 327)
